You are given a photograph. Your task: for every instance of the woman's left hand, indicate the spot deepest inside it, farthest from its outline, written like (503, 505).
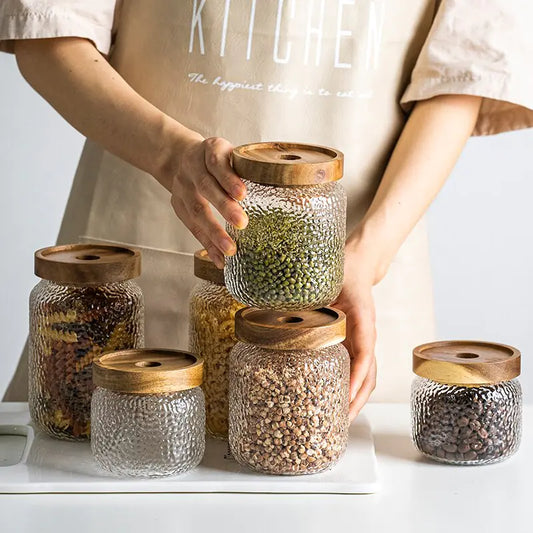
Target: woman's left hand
(357, 302)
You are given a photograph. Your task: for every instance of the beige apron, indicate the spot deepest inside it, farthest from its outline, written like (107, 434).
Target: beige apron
(324, 72)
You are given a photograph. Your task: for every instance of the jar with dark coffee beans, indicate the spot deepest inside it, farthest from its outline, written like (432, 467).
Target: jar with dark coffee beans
(289, 390)
(466, 404)
(86, 304)
(212, 336)
(290, 256)
(148, 413)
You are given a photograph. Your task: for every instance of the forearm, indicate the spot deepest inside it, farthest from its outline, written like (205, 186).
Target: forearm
(85, 89)
(423, 158)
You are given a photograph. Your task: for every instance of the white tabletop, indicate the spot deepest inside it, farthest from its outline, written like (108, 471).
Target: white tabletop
(416, 496)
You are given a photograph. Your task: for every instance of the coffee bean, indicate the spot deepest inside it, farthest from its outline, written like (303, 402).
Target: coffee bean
(466, 425)
(449, 448)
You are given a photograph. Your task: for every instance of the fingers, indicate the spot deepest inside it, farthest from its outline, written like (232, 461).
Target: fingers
(364, 392)
(226, 187)
(217, 160)
(205, 237)
(361, 340)
(210, 189)
(205, 177)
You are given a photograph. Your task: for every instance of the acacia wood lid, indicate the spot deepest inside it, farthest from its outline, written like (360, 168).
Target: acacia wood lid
(147, 371)
(286, 164)
(466, 362)
(87, 263)
(204, 268)
(298, 330)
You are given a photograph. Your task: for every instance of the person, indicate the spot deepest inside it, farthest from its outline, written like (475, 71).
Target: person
(165, 89)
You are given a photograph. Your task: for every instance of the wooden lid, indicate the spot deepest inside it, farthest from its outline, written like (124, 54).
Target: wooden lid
(147, 371)
(281, 163)
(204, 268)
(466, 362)
(87, 263)
(299, 330)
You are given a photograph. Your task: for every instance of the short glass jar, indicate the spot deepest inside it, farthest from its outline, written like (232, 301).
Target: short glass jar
(212, 336)
(148, 413)
(86, 304)
(289, 390)
(466, 406)
(290, 256)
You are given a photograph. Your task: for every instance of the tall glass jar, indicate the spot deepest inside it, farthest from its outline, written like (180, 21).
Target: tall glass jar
(289, 390)
(212, 336)
(290, 256)
(85, 305)
(148, 413)
(466, 404)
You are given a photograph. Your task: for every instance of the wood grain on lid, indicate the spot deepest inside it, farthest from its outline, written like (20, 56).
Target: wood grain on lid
(147, 371)
(204, 268)
(287, 164)
(298, 330)
(87, 263)
(466, 362)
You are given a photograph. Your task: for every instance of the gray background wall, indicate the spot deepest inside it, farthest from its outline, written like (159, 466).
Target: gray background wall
(480, 225)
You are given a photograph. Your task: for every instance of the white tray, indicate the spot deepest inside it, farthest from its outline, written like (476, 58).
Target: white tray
(37, 463)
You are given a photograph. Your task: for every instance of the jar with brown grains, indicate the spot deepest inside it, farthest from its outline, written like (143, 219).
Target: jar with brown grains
(289, 390)
(85, 305)
(466, 404)
(212, 336)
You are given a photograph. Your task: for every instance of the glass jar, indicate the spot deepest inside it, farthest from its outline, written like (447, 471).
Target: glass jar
(289, 390)
(148, 413)
(466, 406)
(212, 336)
(290, 256)
(85, 305)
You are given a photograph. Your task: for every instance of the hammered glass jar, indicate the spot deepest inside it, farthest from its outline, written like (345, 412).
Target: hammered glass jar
(85, 305)
(290, 256)
(212, 336)
(466, 405)
(289, 390)
(148, 413)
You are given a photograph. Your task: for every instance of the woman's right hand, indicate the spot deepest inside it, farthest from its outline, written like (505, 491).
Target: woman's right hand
(72, 75)
(203, 176)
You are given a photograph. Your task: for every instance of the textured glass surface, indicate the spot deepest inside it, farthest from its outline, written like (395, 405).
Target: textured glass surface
(288, 409)
(291, 254)
(466, 425)
(70, 326)
(212, 336)
(148, 435)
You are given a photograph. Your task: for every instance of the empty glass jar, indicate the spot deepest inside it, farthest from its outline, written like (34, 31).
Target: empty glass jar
(212, 336)
(290, 256)
(466, 406)
(148, 413)
(289, 390)
(86, 304)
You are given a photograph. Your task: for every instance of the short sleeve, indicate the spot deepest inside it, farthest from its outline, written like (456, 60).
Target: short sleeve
(41, 19)
(482, 48)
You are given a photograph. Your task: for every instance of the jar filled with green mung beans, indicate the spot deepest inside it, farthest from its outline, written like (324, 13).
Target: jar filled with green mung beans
(290, 256)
